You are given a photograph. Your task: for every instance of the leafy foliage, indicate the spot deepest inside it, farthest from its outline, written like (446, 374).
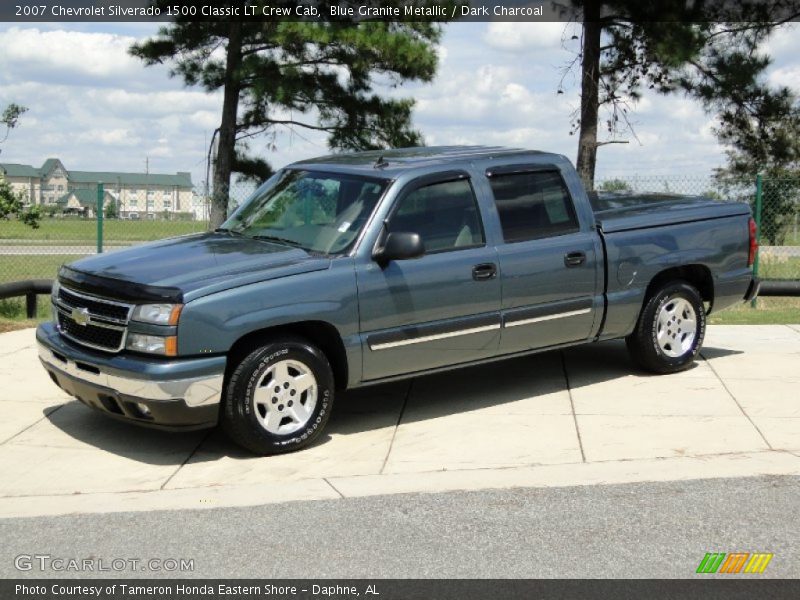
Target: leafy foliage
(320, 76)
(13, 205)
(707, 50)
(10, 118)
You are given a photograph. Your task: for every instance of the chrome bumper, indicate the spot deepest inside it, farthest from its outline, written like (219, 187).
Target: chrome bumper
(194, 391)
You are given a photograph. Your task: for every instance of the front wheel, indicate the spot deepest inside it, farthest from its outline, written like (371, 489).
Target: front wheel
(279, 397)
(670, 330)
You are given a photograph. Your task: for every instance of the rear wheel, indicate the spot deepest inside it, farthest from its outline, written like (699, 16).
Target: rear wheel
(279, 397)
(670, 330)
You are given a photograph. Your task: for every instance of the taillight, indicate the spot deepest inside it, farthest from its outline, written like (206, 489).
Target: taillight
(751, 257)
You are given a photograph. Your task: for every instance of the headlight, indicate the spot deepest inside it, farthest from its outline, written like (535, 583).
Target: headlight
(54, 289)
(158, 314)
(152, 344)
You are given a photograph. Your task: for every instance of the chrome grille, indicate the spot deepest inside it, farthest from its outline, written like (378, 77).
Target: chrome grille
(92, 321)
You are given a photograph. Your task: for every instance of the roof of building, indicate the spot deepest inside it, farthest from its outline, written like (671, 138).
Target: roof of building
(391, 162)
(17, 170)
(85, 197)
(109, 178)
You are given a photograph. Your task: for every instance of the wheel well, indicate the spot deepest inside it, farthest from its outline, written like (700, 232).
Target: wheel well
(698, 275)
(323, 335)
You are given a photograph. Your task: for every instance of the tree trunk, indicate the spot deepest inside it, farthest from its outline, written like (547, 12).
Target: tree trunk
(590, 95)
(227, 129)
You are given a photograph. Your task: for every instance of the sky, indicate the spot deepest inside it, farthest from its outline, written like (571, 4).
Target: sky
(98, 108)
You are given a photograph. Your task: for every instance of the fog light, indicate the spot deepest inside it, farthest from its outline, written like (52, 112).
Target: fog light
(144, 409)
(153, 344)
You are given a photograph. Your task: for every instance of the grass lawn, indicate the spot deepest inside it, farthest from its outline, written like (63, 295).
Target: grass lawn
(85, 230)
(12, 313)
(21, 267)
(768, 311)
(777, 268)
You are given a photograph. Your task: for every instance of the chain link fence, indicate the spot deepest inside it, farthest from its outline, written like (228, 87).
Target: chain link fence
(775, 204)
(72, 229)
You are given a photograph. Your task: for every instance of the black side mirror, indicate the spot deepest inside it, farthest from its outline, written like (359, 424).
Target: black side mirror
(399, 245)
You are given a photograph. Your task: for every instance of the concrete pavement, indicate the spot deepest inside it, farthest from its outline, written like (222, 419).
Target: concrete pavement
(582, 416)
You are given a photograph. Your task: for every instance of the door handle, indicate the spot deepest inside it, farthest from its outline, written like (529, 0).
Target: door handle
(574, 259)
(484, 271)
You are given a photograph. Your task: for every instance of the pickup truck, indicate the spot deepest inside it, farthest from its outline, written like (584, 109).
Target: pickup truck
(356, 269)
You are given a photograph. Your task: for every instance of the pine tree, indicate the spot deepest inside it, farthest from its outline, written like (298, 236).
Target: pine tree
(318, 75)
(705, 49)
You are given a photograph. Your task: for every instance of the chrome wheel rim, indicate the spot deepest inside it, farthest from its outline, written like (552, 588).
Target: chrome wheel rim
(285, 397)
(676, 327)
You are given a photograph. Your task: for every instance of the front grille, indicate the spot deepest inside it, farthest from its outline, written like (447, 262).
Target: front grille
(102, 338)
(102, 323)
(118, 312)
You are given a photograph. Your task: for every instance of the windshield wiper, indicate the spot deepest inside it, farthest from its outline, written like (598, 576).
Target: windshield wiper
(227, 230)
(280, 240)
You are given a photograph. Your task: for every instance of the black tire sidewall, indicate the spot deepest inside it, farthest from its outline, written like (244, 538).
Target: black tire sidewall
(240, 420)
(650, 354)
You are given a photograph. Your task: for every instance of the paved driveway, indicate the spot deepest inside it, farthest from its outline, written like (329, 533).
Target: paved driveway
(582, 416)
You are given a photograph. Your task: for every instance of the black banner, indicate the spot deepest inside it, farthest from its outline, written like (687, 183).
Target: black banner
(733, 588)
(33, 11)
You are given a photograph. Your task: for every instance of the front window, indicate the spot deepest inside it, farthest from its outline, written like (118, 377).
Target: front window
(319, 212)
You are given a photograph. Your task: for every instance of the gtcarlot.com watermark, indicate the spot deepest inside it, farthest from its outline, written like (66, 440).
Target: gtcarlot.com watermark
(61, 564)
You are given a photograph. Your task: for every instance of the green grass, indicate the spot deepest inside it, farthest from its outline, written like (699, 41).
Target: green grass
(768, 311)
(84, 231)
(776, 268)
(12, 313)
(21, 267)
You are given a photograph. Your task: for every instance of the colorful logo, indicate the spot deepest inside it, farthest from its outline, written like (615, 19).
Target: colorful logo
(734, 562)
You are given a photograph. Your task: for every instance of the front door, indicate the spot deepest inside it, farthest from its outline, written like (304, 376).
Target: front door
(440, 309)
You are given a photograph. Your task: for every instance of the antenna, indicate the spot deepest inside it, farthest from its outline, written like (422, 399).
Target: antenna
(380, 163)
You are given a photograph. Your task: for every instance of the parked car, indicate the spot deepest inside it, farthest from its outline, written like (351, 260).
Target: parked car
(357, 269)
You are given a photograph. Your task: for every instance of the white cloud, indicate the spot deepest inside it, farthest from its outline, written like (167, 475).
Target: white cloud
(525, 36)
(788, 76)
(68, 54)
(99, 108)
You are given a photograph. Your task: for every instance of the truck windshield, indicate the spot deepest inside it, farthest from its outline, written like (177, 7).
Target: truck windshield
(319, 212)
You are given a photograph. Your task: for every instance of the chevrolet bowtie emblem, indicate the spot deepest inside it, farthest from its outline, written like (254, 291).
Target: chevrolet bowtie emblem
(80, 316)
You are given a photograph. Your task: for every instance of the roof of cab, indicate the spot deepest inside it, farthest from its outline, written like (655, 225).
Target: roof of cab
(389, 163)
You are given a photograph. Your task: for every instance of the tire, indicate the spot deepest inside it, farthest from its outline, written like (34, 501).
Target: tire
(279, 397)
(661, 342)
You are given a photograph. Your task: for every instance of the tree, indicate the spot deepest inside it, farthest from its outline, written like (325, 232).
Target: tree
(10, 118)
(317, 76)
(13, 205)
(615, 185)
(705, 49)
(768, 144)
(111, 209)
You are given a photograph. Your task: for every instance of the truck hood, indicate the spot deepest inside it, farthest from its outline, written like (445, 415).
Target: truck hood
(195, 265)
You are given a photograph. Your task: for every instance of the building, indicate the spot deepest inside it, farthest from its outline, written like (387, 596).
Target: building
(135, 195)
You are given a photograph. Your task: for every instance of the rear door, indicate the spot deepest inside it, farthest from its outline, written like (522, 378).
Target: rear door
(549, 261)
(440, 309)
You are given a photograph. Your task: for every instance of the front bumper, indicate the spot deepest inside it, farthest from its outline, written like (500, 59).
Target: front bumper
(168, 394)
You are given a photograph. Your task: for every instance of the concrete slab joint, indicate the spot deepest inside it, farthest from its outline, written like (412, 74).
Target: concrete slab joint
(583, 416)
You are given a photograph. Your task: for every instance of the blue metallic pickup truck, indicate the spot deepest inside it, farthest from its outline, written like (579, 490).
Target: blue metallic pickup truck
(356, 269)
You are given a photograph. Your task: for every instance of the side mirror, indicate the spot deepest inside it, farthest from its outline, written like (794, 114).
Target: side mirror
(399, 245)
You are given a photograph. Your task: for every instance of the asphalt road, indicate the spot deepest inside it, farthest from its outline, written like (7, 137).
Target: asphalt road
(659, 530)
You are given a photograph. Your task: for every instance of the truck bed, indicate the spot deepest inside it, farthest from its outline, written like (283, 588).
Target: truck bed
(617, 212)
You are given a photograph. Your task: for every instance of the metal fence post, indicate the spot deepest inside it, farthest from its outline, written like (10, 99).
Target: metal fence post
(759, 199)
(100, 195)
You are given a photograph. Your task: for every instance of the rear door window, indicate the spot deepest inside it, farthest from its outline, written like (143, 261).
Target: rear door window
(533, 205)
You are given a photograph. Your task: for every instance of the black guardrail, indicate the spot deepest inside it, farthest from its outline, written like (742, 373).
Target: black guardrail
(32, 287)
(776, 287)
(29, 288)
